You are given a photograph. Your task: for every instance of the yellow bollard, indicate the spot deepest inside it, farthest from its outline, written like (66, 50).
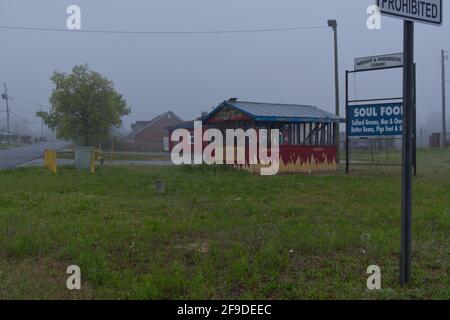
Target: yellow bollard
(50, 160)
(93, 160)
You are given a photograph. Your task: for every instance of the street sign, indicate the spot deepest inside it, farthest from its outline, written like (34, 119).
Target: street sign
(379, 62)
(384, 119)
(426, 11)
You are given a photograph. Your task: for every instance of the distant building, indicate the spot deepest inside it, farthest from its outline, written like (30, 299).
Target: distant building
(26, 139)
(188, 125)
(15, 138)
(436, 138)
(152, 135)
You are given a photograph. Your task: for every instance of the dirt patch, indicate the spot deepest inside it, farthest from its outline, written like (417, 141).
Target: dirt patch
(38, 278)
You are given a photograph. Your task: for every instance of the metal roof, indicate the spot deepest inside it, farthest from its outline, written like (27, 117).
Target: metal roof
(279, 112)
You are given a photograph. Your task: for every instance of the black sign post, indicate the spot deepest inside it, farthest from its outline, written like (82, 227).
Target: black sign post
(428, 11)
(407, 151)
(414, 121)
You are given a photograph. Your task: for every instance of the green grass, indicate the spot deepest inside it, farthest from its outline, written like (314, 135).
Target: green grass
(218, 233)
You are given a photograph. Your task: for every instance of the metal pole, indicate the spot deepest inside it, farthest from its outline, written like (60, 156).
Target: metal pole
(333, 24)
(408, 96)
(415, 123)
(444, 127)
(347, 127)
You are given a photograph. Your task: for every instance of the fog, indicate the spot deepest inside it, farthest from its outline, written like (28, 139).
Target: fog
(190, 73)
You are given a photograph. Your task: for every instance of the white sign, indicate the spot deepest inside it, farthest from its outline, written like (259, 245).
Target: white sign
(379, 62)
(427, 11)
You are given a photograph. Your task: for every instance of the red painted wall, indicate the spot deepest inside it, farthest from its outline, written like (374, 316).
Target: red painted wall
(156, 133)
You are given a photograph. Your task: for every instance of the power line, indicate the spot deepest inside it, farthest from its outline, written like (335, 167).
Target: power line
(30, 102)
(26, 111)
(22, 109)
(42, 29)
(23, 119)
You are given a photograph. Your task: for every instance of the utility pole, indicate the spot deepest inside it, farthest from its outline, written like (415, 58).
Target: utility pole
(444, 127)
(333, 25)
(5, 97)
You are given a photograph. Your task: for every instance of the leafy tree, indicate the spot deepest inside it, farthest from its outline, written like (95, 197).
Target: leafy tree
(84, 106)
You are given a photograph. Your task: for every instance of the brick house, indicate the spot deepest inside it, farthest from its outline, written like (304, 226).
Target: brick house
(153, 135)
(138, 125)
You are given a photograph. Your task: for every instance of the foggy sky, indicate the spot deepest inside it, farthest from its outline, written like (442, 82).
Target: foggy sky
(188, 74)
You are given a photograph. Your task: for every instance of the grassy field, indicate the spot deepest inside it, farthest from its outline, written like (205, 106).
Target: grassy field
(219, 233)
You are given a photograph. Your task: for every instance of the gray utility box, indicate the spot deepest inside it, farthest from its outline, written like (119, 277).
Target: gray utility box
(83, 158)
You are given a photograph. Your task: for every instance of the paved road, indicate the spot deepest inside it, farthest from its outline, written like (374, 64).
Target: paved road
(11, 158)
